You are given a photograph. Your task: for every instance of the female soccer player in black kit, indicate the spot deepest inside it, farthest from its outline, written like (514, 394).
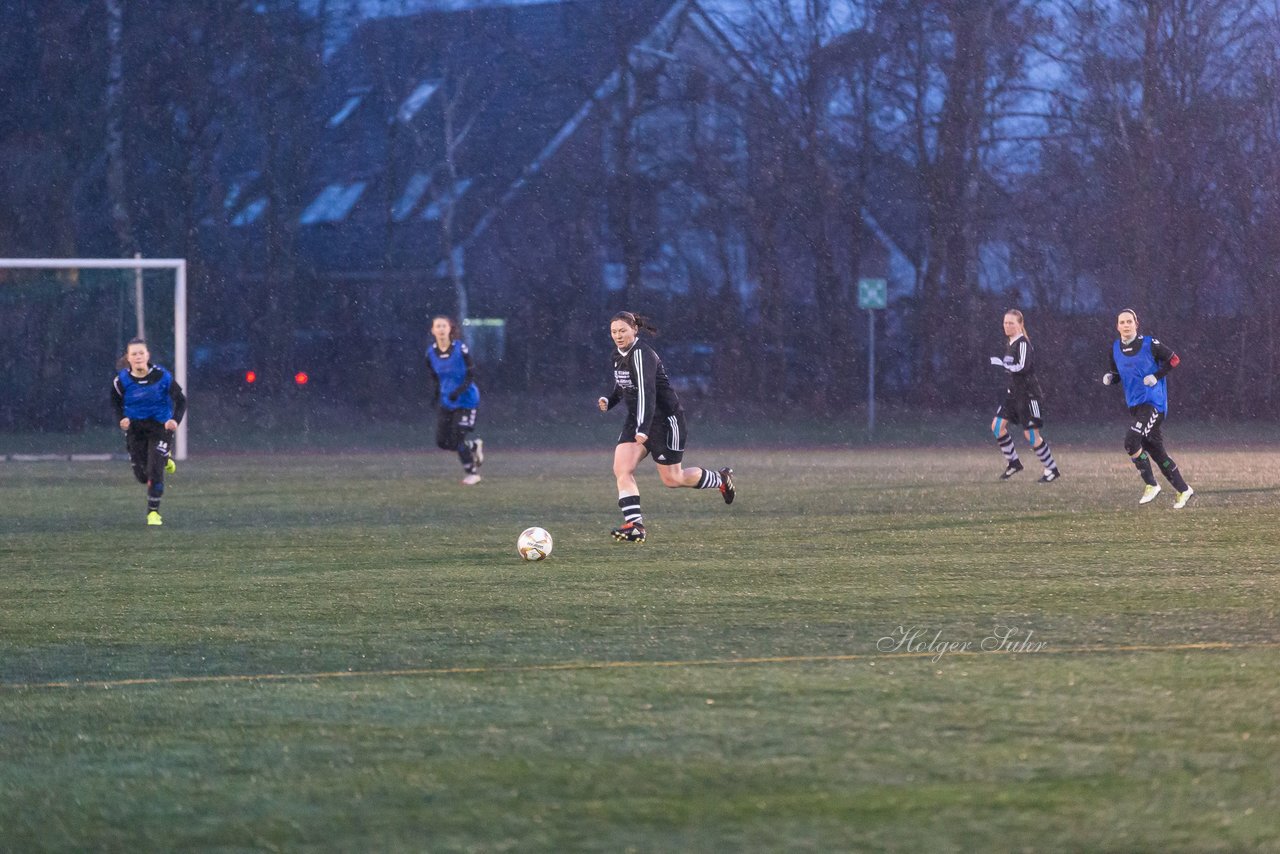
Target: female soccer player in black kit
(655, 425)
(149, 403)
(1021, 401)
(1140, 363)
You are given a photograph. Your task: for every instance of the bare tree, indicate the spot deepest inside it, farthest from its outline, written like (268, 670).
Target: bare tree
(115, 109)
(1168, 112)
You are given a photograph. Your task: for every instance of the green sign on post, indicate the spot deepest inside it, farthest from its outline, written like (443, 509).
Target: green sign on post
(873, 293)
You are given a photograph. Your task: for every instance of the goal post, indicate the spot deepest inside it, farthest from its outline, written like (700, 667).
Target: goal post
(179, 268)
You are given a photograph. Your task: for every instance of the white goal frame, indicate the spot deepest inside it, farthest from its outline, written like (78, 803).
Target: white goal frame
(179, 267)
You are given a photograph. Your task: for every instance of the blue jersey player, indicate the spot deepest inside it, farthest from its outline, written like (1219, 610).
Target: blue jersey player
(459, 397)
(149, 403)
(1139, 365)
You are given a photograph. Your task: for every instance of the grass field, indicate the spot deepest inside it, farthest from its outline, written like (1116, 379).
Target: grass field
(342, 652)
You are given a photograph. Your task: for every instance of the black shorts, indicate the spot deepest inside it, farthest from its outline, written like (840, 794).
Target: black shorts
(1146, 422)
(149, 446)
(666, 438)
(1021, 410)
(452, 427)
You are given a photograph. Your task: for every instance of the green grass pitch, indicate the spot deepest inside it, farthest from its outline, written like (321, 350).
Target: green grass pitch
(343, 652)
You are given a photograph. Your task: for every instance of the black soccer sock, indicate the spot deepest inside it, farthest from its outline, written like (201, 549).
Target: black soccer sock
(1170, 470)
(1045, 455)
(154, 491)
(467, 457)
(1006, 447)
(709, 480)
(630, 507)
(1143, 464)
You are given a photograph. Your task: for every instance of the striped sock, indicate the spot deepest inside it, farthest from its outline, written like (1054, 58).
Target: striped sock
(1045, 455)
(630, 507)
(1006, 447)
(709, 480)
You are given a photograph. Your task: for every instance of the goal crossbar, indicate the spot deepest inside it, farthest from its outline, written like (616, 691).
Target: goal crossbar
(179, 267)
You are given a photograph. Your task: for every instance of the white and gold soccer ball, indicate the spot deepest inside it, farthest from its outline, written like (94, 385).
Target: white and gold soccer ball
(534, 544)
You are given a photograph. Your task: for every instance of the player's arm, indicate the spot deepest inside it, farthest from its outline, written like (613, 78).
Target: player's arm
(1018, 362)
(1112, 376)
(1165, 358)
(179, 398)
(433, 379)
(612, 399)
(644, 364)
(468, 378)
(117, 403)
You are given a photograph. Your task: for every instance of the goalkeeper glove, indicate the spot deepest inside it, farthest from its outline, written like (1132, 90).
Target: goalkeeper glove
(997, 361)
(1108, 378)
(1149, 380)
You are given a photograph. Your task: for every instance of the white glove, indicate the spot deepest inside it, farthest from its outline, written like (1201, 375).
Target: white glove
(1149, 380)
(1108, 378)
(997, 361)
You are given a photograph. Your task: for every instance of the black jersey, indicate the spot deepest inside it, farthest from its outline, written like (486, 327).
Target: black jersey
(1022, 373)
(640, 380)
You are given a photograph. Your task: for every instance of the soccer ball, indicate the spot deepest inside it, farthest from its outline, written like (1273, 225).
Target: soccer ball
(534, 544)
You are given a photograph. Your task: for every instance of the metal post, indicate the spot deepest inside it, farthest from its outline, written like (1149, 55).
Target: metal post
(871, 373)
(180, 350)
(139, 309)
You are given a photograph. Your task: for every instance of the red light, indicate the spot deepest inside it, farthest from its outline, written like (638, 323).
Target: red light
(301, 378)
(251, 377)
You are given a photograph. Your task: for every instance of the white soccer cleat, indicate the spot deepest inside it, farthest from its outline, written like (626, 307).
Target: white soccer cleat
(471, 480)
(1149, 494)
(1183, 498)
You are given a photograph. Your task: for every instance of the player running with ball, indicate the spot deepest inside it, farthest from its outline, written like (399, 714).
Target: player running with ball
(1140, 364)
(655, 425)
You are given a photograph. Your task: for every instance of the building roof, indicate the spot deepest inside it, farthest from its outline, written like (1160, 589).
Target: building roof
(512, 78)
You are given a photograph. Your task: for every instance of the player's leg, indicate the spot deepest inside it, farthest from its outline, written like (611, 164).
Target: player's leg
(445, 438)
(1153, 444)
(169, 465)
(1038, 443)
(136, 443)
(626, 456)
(157, 456)
(1138, 454)
(463, 422)
(999, 429)
(667, 448)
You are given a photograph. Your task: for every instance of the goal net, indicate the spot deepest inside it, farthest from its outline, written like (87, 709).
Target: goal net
(65, 323)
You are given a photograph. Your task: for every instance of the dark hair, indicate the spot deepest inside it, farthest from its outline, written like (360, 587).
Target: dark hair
(638, 322)
(1130, 311)
(1022, 321)
(455, 333)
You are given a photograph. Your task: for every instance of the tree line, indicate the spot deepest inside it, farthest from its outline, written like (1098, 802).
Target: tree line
(1066, 157)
